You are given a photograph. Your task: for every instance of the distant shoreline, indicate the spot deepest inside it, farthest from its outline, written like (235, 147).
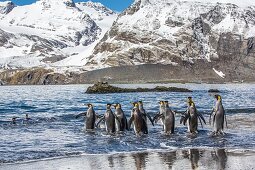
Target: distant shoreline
(145, 74)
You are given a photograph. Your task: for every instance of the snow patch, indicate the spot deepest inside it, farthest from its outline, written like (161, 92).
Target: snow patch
(220, 73)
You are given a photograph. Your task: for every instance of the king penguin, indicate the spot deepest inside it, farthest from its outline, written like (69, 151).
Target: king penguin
(169, 119)
(144, 114)
(137, 119)
(219, 116)
(109, 119)
(90, 117)
(121, 120)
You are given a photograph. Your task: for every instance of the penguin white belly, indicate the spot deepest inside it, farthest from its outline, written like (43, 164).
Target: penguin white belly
(106, 127)
(117, 124)
(188, 125)
(135, 129)
(219, 122)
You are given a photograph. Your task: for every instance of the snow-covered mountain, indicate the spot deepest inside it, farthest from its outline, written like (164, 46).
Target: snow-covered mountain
(190, 40)
(181, 31)
(51, 33)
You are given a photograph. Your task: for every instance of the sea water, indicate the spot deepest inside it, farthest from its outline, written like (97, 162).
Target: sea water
(53, 131)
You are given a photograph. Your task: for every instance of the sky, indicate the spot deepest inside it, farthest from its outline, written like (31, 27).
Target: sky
(116, 5)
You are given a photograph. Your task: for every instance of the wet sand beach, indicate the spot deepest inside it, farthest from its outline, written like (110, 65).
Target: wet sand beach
(151, 160)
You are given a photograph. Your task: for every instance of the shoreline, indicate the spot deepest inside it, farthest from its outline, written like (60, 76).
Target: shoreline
(135, 83)
(187, 158)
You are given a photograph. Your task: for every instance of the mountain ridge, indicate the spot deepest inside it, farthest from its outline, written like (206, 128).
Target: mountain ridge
(192, 40)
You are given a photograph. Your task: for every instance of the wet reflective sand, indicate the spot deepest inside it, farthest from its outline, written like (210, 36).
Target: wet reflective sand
(177, 159)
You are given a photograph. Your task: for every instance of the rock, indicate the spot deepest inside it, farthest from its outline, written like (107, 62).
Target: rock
(104, 87)
(213, 91)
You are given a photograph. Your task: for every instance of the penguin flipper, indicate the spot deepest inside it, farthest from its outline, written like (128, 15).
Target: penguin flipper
(100, 120)
(200, 121)
(130, 121)
(80, 114)
(150, 118)
(226, 120)
(172, 130)
(202, 117)
(99, 116)
(145, 127)
(214, 117)
(210, 117)
(126, 124)
(117, 118)
(184, 119)
(155, 117)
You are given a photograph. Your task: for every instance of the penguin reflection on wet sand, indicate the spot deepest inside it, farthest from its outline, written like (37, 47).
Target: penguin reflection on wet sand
(121, 120)
(219, 116)
(90, 117)
(138, 121)
(140, 160)
(168, 158)
(109, 119)
(193, 155)
(222, 158)
(191, 117)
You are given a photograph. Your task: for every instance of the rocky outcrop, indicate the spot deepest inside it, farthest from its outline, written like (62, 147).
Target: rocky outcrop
(6, 7)
(213, 91)
(104, 87)
(38, 76)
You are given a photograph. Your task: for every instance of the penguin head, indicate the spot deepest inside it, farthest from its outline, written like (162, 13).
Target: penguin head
(140, 103)
(26, 116)
(108, 105)
(189, 101)
(192, 103)
(117, 105)
(89, 105)
(14, 120)
(161, 103)
(166, 103)
(135, 104)
(217, 97)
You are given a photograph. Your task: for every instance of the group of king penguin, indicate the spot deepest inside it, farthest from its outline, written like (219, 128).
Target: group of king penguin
(117, 121)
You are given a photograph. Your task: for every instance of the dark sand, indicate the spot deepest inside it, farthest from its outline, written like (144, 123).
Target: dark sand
(208, 159)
